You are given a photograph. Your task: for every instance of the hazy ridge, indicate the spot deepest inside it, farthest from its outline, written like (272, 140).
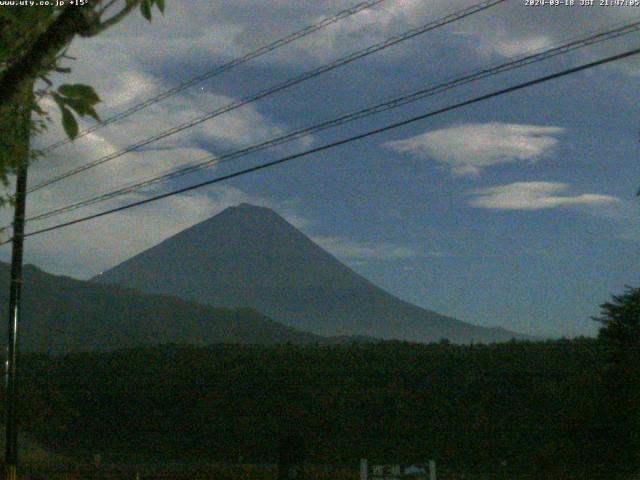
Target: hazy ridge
(249, 256)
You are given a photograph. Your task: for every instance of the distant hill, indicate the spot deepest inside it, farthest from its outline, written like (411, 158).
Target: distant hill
(61, 314)
(250, 256)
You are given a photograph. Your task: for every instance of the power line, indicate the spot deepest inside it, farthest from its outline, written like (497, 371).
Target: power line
(518, 62)
(219, 70)
(337, 143)
(276, 88)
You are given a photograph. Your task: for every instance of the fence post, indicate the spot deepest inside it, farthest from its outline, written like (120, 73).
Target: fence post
(432, 470)
(363, 469)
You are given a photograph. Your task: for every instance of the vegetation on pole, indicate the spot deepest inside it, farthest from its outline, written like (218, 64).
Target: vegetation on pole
(33, 46)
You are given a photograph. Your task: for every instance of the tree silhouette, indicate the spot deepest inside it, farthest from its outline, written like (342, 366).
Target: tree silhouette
(620, 319)
(618, 419)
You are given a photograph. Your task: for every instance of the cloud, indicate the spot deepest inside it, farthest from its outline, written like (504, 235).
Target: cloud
(366, 28)
(518, 29)
(354, 250)
(534, 196)
(508, 46)
(239, 128)
(198, 31)
(132, 84)
(469, 148)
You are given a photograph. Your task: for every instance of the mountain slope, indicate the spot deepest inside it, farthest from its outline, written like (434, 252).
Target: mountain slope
(61, 314)
(250, 256)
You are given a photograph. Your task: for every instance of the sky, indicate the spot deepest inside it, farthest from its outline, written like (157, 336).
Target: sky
(519, 211)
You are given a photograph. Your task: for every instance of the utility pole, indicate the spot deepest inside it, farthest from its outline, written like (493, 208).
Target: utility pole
(11, 385)
(11, 424)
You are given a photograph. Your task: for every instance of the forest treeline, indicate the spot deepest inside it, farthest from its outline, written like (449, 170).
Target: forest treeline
(567, 405)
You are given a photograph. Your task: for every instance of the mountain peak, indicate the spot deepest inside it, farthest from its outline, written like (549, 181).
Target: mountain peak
(248, 211)
(249, 256)
(250, 206)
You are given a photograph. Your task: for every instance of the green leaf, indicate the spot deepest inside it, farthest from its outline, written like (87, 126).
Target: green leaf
(145, 9)
(81, 107)
(92, 113)
(36, 108)
(78, 105)
(58, 99)
(160, 4)
(78, 90)
(69, 123)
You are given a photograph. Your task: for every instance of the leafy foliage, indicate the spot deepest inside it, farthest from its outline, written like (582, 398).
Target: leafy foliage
(27, 58)
(535, 405)
(620, 318)
(146, 5)
(81, 99)
(619, 422)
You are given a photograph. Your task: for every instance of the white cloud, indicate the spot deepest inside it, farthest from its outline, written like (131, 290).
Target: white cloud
(517, 29)
(202, 33)
(368, 27)
(198, 31)
(469, 148)
(241, 127)
(535, 196)
(509, 46)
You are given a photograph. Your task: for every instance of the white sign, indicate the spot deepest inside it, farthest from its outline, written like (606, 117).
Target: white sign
(385, 472)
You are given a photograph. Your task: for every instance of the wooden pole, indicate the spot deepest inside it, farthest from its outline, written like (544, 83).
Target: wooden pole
(15, 290)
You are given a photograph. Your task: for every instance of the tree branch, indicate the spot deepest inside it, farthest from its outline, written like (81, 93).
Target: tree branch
(42, 52)
(96, 29)
(106, 7)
